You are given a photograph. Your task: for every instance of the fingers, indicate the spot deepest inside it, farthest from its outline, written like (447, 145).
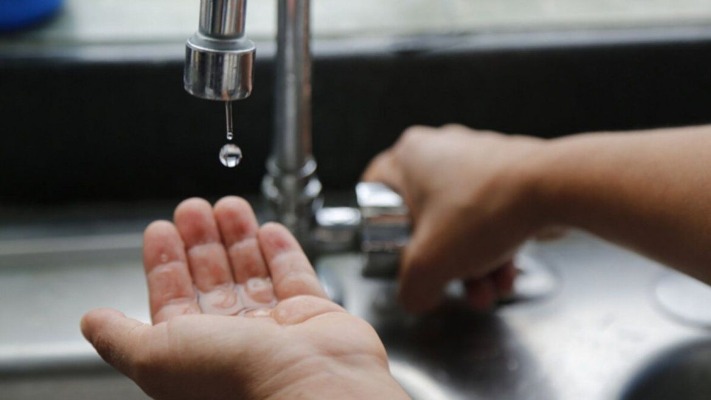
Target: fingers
(484, 293)
(481, 293)
(425, 268)
(238, 227)
(420, 289)
(170, 285)
(423, 278)
(116, 338)
(386, 167)
(252, 253)
(291, 272)
(206, 255)
(504, 278)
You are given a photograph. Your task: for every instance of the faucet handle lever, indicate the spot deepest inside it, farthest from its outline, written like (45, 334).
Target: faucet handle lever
(379, 226)
(385, 228)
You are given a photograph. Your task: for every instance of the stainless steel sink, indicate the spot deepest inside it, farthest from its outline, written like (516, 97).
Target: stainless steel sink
(595, 336)
(586, 339)
(90, 384)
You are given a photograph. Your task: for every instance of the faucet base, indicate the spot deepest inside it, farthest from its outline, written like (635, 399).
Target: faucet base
(295, 196)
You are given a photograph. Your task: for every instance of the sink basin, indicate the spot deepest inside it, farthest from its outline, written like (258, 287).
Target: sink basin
(596, 322)
(42, 352)
(98, 383)
(680, 373)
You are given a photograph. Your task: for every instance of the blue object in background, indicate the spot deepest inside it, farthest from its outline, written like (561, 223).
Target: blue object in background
(17, 14)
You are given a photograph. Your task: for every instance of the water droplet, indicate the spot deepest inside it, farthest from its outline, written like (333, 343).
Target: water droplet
(230, 135)
(230, 155)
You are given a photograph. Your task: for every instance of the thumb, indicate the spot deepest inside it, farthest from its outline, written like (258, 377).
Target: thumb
(115, 337)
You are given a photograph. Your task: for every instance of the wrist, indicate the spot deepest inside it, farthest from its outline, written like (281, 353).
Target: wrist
(330, 379)
(564, 176)
(530, 178)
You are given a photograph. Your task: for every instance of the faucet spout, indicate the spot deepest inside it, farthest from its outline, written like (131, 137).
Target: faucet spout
(219, 59)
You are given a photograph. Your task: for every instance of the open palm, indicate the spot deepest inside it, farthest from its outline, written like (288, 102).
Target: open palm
(237, 312)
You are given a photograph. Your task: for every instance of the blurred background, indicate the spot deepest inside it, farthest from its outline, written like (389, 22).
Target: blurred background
(93, 108)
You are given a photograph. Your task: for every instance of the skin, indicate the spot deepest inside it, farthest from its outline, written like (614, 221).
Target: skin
(463, 189)
(304, 346)
(475, 197)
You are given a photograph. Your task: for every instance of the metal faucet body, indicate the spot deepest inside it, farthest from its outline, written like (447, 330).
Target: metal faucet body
(291, 184)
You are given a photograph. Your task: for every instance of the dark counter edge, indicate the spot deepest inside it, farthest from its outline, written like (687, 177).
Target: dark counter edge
(112, 122)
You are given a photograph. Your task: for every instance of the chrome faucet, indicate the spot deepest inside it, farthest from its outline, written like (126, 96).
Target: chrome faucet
(218, 66)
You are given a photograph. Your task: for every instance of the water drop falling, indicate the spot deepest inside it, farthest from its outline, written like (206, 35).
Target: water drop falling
(230, 155)
(228, 120)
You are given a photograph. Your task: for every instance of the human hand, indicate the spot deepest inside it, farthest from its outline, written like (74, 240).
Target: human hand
(472, 203)
(238, 312)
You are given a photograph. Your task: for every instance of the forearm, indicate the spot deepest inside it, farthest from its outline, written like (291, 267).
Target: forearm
(649, 191)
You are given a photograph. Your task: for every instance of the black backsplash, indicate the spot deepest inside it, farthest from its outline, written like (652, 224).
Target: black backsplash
(80, 131)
